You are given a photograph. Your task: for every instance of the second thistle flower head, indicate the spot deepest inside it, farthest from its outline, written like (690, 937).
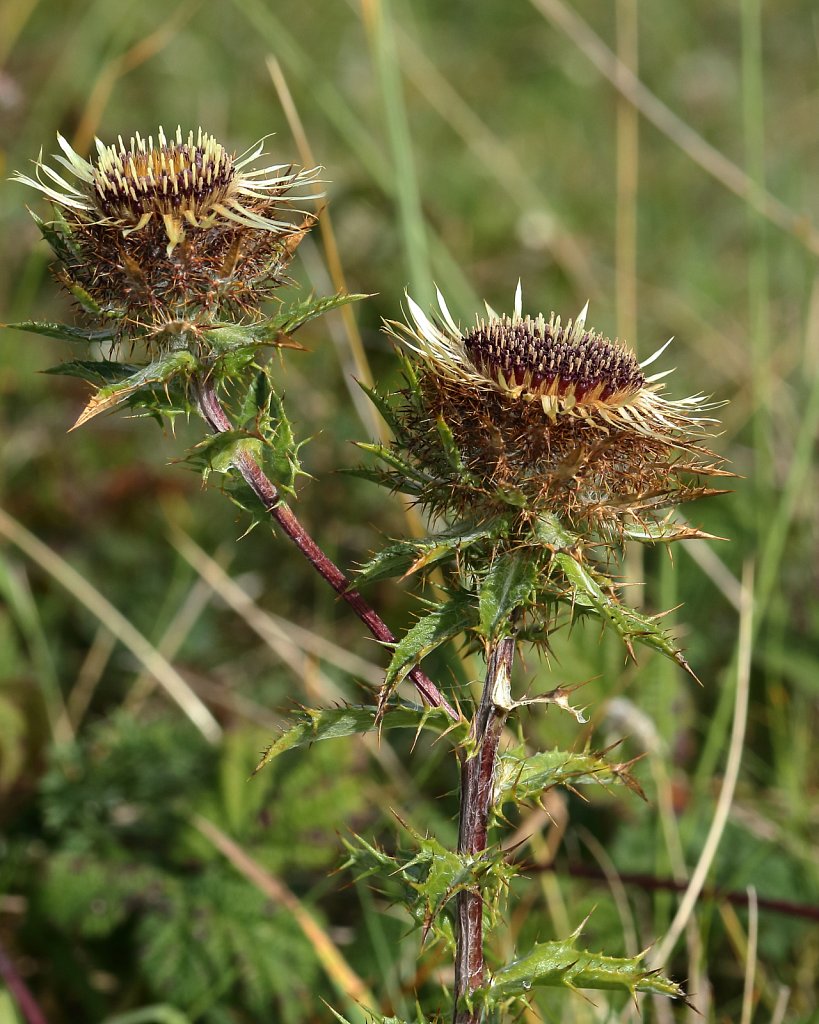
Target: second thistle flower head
(547, 416)
(164, 227)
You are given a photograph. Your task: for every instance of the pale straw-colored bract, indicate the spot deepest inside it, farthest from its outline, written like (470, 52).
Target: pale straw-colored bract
(568, 369)
(186, 182)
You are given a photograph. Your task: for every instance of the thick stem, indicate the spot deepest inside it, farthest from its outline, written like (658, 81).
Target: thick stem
(267, 492)
(477, 779)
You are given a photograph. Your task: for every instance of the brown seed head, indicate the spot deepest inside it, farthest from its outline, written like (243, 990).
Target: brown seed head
(545, 360)
(174, 229)
(549, 416)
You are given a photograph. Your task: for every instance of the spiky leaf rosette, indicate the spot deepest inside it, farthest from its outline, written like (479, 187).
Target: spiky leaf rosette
(156, 232)
(538, 415)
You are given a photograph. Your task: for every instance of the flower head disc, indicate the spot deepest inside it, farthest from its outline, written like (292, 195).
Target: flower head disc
(545, 416)
(565, 368)
(187, 182)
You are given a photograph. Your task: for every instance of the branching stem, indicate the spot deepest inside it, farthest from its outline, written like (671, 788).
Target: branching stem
(477, 778)
(266, 491)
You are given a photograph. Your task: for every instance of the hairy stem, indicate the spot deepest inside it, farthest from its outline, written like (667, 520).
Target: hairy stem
(266, 491)
(477, 778)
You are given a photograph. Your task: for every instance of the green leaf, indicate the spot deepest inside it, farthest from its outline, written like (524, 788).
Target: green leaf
(664, 531)
(630, 624)
(549, 531)
(507, 586)
(587, 591)
(441, 624)
(429, 878)
(402, 467)
(218, 452)
(230, 336)
(520, 777)
(291, 318)
(561, 964)
(65, 332)
(333, 723)
(384, 407)
(280, 455)
(95, 371)
(410, 375)
(160, 371)
(59, 236)
(450, 448)
(394, 560)
(405, 556)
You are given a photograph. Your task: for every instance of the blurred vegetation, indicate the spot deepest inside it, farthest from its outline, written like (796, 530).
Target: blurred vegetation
(470, 145)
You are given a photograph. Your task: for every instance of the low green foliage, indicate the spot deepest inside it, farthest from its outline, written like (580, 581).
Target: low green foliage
(128, 877)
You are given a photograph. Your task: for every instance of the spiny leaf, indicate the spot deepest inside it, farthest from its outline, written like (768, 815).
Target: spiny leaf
(394, 560)
(431, 631)
(88, 303)
(403, 468)
(430, 878)
(664, 531)
(407, 556)
(630, 624)
(227, 338)
(276, 329)
(313, 725)
(300, 313)
(266, 434)
(450, 448)
(59, 236)
(218, 452)
(588, 592)
(161, 370)
(561, 964)
(507, 585)
(65, 332)
(384, 407)
(401, 876)
(522, 777)
(95, 371)
(255, 405)
(281, 450)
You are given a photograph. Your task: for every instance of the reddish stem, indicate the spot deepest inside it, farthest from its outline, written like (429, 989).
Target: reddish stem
(477, 779)
(267, 492)
(20, 992)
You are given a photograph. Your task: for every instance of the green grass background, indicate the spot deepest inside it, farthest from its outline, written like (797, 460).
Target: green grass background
(468, 145)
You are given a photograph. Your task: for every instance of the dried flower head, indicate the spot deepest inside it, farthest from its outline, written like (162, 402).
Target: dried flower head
(190, 182)
(160, 230)
(548, 415)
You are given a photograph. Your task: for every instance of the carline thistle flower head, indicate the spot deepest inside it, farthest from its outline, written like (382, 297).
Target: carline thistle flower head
(549, 415)
(190, 182)
(174, 224)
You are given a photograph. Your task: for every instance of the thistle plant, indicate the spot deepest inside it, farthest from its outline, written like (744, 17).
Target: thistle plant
(535, 448)
(170, 249)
